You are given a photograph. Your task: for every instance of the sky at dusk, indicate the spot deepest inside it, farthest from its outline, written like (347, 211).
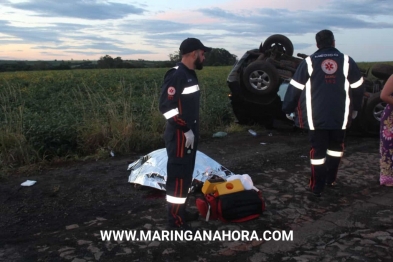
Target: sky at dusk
(153, 29)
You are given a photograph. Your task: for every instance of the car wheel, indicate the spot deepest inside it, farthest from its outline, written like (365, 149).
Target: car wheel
(382, 71)
(279, 43)
(261, 78)
(374, 109)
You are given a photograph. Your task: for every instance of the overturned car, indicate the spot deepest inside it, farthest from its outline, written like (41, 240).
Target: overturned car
(259, 80)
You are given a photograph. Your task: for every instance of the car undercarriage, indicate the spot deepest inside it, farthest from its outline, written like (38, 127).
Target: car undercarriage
(259, 79)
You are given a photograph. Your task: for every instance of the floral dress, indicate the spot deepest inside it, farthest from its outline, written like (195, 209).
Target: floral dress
(386, 146)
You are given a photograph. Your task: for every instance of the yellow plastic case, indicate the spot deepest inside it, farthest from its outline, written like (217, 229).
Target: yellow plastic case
(228, 187)
(209, 187)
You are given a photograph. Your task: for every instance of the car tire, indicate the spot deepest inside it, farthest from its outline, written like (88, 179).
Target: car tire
(374, 109)
(261, 78)
(382, 71)
(279, 43)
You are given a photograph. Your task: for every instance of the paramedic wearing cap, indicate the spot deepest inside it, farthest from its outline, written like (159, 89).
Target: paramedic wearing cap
(325, 93)
(179, 103)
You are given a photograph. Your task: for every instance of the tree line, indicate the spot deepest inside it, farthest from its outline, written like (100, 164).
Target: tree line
(216, 57)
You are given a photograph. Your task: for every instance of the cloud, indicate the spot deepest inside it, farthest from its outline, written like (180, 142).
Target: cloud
(59, 36)
(220, 25)
(28, 34)
(154, 26)
(95, 10)
(262, 22)
(112, 53)
(100, 47)
(158, 33)
(39, 34)
(140, 27)
(268, 20)
(299, 46)
(370, 8)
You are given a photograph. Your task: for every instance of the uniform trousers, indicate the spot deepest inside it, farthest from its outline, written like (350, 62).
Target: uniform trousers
(180, 169)
(327, 149)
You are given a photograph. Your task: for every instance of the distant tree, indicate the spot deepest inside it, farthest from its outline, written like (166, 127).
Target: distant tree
(108, 62)
(18, 66)
(62, 66)
(128, 65)
(42, 65)
(175, 57)
(216, 57)
(219, 57)
(166, 64)
(105, 62)
(118, 62)
(22, 66)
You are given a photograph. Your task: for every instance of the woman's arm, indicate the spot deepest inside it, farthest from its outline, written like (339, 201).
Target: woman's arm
(387, 91)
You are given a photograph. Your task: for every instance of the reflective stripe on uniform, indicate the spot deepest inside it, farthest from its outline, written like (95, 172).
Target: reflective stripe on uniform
(346, 88)
(190, 90)
(358, 83)
(335, 153)
(171, 113)
(296, 84)
(318, 161)
(175, 200)
(347, 85)
(308, 94)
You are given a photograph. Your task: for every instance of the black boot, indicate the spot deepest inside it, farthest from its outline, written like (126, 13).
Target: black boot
(176, 216)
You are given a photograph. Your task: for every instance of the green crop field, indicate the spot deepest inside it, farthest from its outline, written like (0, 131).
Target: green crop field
(56, 115)
(48, 115)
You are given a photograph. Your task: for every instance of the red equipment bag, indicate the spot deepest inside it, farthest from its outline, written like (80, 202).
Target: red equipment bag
(235, 207)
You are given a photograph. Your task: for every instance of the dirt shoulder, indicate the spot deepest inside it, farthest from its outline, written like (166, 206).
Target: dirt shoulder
(60, 217)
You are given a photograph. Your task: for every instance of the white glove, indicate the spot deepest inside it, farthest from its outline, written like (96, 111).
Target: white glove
(354, 114)
(189, 139)
(291, 116)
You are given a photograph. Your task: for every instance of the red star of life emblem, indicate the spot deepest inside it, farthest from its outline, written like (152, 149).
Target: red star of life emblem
(329, 66)
(171, 91)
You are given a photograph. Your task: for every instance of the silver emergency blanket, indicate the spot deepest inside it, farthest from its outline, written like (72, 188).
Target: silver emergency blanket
(150, 170)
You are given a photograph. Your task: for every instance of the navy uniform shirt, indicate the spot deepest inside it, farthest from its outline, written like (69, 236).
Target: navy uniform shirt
(179, 100)
(324, 90)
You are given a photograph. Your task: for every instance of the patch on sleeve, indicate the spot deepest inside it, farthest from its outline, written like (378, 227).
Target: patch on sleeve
(171, 91)
(329, 66)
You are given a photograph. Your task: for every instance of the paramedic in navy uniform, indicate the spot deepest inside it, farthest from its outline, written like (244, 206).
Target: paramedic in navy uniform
(325, 94)
(179, 103)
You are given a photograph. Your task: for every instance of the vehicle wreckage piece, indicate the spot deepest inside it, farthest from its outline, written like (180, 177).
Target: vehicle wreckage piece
(261, 77)
(382, 71)
(278, 44)
(256, 94)
(264, 69)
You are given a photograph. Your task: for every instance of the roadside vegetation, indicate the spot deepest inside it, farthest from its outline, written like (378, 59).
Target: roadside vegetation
(216, 57)
(48, 116)
(57, 115)
(366, 67)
